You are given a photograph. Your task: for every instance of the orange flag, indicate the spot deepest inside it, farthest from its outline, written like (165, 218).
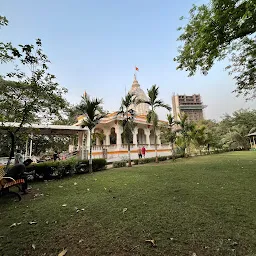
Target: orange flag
(136, 68)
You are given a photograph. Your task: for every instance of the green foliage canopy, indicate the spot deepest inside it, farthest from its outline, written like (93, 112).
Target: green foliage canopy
(220, 29)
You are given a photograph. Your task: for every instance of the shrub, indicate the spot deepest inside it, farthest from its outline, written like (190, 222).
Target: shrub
(146, 160)
(162, 158)
(58, 169)
(136, 161)
(119, 164)
(42, 170)
(98, 164)
(82, 166)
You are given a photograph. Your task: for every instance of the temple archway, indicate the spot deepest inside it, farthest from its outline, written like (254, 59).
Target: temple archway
(141, 137)
(112, 136)
(99, 137)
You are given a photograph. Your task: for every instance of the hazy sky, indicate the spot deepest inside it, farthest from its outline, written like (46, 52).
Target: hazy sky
(94, 46)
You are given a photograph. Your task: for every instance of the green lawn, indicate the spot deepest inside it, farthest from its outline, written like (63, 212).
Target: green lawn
(204, 205)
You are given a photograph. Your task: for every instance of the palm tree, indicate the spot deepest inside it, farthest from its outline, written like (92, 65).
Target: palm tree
(93, 113)
(199, 137)
(152, 116)
(127, 122)
(172, 133)
(186, 129)
(169, 134)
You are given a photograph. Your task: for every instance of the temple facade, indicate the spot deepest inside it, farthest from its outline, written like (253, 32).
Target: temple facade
(111, 145)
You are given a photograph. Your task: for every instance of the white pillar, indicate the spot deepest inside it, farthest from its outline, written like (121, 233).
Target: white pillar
(107, 139)
(82, 146)
(134, 139)
(26, 152)
(147, 133)
(80, 140)
(118, 130)
(31, 146)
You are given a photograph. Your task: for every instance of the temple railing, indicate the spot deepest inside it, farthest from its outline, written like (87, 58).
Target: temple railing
(114, 147)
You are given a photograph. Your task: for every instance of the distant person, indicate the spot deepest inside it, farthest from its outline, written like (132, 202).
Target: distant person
(55, 156)
(139, 153)
(18, 171)
(143, 151)
(19, 158)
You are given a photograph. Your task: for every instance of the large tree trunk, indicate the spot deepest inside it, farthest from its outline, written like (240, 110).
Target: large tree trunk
(129, 155)
(90, 157)
(12, 136)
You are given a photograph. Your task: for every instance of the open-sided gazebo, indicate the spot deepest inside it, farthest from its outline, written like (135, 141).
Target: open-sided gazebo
(45, 129)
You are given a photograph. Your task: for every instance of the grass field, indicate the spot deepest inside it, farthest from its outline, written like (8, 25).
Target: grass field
(203, 205)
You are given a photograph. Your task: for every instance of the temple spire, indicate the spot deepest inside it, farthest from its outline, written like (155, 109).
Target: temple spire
(135, 83)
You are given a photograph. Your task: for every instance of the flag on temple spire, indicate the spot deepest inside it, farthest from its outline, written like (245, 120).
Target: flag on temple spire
(136, 68)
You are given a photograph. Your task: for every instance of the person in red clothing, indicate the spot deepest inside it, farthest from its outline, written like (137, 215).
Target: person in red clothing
(143, 151)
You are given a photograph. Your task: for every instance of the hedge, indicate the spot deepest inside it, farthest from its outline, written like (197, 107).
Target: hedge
(119, 164)
(58, 169)
(97, 165)
(153, 159)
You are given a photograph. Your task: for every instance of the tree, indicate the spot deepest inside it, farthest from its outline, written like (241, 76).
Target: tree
(68, 117)
(44, 143)
(218, 30)
(93, 113)
(127, 114)
(152, 116)
(199, 136)
(186, 130)
(5, 48)
(32, 95)
(169, 133)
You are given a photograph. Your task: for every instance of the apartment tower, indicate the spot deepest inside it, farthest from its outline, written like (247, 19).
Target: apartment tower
(191, 105)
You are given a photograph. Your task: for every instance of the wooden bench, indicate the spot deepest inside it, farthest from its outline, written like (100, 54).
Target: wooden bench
(6, 183)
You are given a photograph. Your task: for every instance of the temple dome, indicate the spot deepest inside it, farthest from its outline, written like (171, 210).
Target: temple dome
(141, 109)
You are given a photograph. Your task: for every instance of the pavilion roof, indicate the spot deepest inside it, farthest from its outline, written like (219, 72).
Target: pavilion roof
(47, 129)
(251, 134)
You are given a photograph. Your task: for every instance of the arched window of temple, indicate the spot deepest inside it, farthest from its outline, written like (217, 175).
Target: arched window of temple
(112, 136)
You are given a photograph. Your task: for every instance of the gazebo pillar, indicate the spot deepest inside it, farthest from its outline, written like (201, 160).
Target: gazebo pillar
(26, 152)
(83, 148)
(31, 146)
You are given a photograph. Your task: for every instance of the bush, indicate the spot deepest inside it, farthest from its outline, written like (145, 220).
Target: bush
(98, 164)
(58, 169)
(136, 162)
(162, 158)
(146, 160)
(119, 164)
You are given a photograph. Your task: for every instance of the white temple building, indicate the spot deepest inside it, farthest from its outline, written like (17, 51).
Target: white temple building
(112, 147)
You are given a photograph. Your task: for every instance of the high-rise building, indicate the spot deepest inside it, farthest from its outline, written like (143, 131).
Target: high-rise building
(191, 105)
